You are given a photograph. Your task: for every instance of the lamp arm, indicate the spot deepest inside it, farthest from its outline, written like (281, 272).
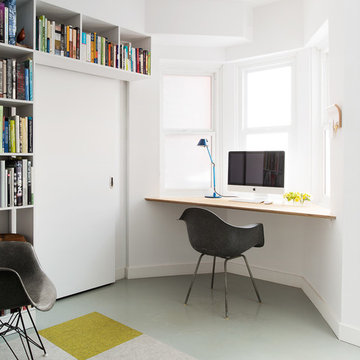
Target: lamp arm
(212, 166)
(207, 148)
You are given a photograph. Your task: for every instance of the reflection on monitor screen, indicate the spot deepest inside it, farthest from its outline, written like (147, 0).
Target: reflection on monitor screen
(256, 169)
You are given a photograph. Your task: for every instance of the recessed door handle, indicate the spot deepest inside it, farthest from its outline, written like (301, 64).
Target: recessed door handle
(111, 182)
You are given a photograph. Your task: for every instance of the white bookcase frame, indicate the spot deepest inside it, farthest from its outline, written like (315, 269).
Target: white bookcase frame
(21, 219)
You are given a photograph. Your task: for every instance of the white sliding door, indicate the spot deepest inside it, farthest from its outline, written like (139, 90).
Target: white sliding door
(76, 144)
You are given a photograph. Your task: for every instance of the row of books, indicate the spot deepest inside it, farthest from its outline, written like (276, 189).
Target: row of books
(8, 22)
(17, 133)
(58, 39)
(64, 40)
(16, 183)
(99, 50)
(135, 59)
(16, 79)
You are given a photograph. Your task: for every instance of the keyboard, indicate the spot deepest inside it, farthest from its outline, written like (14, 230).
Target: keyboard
(253, 201)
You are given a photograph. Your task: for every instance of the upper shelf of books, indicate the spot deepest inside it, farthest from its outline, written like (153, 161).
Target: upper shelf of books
(67, 39)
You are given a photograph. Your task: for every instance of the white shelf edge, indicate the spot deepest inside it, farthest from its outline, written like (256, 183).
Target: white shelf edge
(17, 207)
(84, 67)
(16, 154)
(14, 102)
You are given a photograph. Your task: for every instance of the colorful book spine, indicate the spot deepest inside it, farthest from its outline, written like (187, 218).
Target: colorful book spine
(6, 135)
(11, 5)
(2, 22)
(12, 144)
(30, 134)
(27, 84)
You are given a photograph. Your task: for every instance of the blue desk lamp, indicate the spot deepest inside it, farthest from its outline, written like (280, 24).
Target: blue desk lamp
(204, 142)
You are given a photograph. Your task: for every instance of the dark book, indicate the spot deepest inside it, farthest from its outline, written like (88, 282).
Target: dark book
(37, 33)
(2, 22)
(11, 4)
(19, 184)
(77, 43)
(6, 135)
(63, 40)
(30, 134)
(20, 83)
(29, 183)
(13, 78)
(9, 81)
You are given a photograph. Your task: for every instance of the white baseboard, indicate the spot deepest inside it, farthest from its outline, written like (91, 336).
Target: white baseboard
(349, 334)
(321, 306)
(120, 273)
(274, 276)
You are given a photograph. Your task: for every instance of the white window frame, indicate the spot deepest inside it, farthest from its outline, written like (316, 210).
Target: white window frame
(268, 62)
(325, 125)
(191, 70)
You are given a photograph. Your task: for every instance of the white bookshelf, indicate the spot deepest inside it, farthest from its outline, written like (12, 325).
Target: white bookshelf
(20, 219)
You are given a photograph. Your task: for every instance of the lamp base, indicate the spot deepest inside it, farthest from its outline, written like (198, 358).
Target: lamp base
(213, 196)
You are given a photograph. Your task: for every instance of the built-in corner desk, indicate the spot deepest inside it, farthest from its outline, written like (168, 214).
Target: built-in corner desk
(308, 209)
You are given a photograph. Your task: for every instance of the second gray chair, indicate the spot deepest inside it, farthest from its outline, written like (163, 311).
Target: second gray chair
(22, 283)
(209, 235)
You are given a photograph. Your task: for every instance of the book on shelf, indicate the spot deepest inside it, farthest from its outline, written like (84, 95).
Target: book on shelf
(16, 135)
(16, 79)
(58, 39)
(8, 22)
(98, 49)
(135, 59)
(16, 183)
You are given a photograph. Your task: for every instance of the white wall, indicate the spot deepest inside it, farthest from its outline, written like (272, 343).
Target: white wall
(202, 19)
(158, 244)
(276, 27)
(128, 14)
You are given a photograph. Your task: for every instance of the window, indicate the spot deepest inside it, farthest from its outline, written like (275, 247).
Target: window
(267, 107)
(326, 127)
(187, 116)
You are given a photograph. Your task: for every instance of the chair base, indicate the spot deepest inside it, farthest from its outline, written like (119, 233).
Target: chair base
(16, 324)
(225, 280)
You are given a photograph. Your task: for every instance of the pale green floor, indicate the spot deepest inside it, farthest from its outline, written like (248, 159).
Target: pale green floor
(285, 326)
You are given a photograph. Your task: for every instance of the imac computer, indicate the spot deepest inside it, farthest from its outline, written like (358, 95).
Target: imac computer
(256, 172)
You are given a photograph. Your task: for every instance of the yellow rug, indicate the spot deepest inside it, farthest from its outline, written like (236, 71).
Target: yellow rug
(89, 335)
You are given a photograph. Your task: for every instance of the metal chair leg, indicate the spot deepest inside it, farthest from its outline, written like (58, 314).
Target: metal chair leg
(40, 345)
(226, 290)
(193, 279)
(26, 335)
(252, 278)
(213, 273)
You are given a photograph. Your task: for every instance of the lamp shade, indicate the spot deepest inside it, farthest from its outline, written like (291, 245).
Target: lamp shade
(202, 142)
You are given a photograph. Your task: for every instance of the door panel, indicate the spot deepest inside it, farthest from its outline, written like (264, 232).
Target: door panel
(75, 136)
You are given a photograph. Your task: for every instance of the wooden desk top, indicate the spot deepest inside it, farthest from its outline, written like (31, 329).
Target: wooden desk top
(309, 209)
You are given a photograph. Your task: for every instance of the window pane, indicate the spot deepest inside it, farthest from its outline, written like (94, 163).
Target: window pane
(187, 102)
(267, 142)
(187, 166)
(268, 97)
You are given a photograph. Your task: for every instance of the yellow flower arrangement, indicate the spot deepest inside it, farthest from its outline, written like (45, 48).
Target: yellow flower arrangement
(297, 197)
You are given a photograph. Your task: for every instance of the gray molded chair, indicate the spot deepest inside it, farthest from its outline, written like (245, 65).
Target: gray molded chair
(22, 283)
(209, 235)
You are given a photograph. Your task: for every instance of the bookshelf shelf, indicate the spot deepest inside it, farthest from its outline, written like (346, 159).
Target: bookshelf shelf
(86, 67)
(14, 102)
(8, 51)
(16, 154)
(16, 207)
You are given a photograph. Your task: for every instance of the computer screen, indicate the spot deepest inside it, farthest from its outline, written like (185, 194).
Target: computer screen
(256, 169)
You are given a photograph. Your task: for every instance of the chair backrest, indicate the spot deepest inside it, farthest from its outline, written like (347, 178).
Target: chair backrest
(210, 235)
(17, 260)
